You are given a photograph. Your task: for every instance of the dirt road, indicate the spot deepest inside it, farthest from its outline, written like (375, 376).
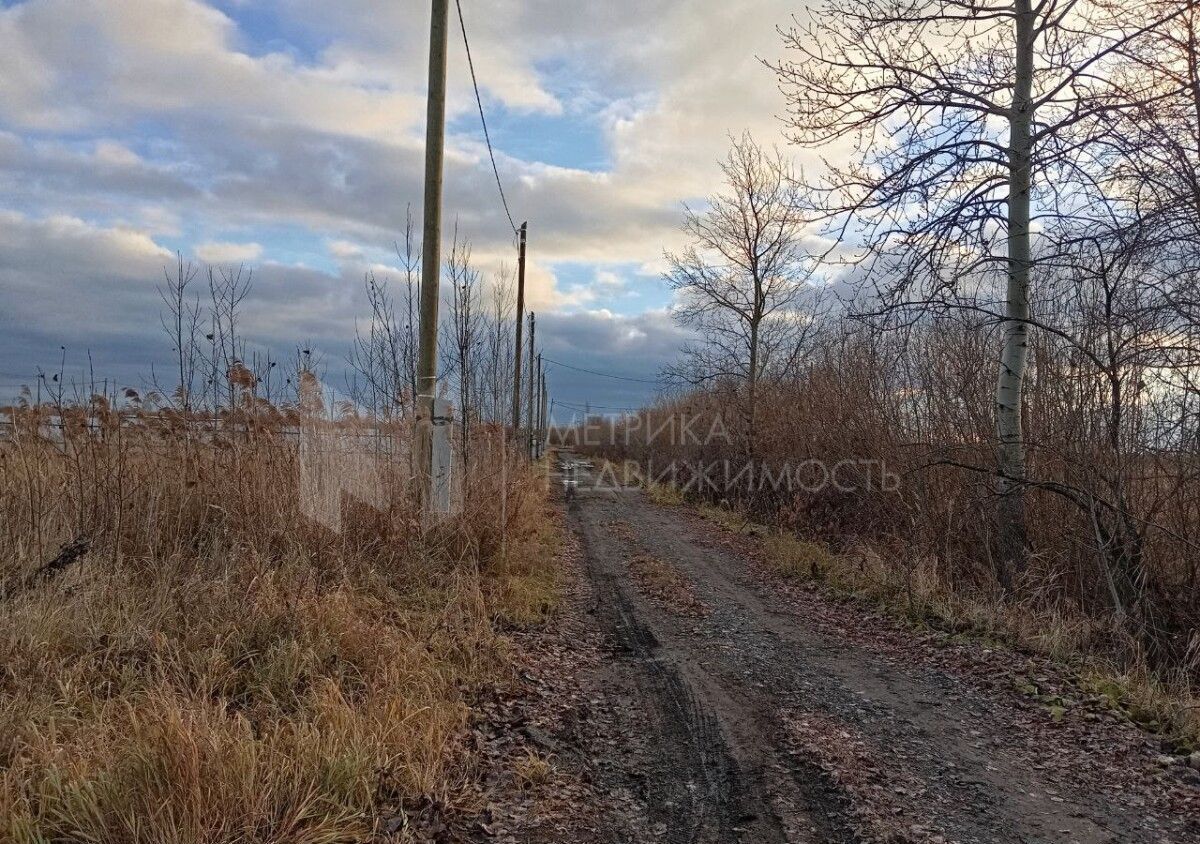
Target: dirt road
(728, 711)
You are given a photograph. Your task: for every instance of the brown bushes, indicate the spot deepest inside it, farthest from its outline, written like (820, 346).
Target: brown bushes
(900, 426)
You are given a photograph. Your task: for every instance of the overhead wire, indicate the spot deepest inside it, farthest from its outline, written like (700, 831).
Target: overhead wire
(504, 200)
(604, 374)
(591, 407)
(482, 119)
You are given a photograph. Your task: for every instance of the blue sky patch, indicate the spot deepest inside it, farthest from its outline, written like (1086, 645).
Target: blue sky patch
(576, 141)
(264, 30)
(621, 288)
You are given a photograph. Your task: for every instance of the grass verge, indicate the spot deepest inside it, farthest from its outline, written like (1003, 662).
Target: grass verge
(219, 669)
(917, 595)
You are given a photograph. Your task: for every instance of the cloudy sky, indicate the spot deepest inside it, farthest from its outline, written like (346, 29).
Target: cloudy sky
(288, 134)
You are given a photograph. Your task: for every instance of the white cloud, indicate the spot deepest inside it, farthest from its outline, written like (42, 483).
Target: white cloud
(330, 143)
(229, 253)
(345, 250)
(310, 142)
(609, 282)
(65, 281)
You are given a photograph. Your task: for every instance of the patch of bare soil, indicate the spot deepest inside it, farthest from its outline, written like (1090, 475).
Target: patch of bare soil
(1067, 744)
(1041, 708)
(537, 783)
(786, 715)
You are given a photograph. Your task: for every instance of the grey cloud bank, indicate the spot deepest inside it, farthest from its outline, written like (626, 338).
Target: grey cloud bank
(132, 128)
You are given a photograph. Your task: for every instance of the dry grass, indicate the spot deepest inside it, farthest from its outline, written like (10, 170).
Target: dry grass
(664, 494)
(218, 668)
(731, 519)
(533, 769)
(524, 584)
(664, 584)
(918, 595)
(796, 559)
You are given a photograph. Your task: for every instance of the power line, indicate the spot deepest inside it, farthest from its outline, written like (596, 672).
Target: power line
(479, 101)
(591, 407)
(604, 374)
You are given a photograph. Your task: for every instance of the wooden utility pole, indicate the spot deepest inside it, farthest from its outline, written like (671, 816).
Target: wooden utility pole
(516, 401)
(431, 246)
(542, 427)
(532, 376)
(537, 406)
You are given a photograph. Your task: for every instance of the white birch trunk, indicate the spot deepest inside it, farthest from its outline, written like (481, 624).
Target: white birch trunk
(1015, 350)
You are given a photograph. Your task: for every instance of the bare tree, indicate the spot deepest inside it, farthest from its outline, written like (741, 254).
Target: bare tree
(744, 277)
(1126, 319)
(966, 116)
(228, 289)
(465, 319)
(181, 322)
(496, 370)
(384, 355)
(376, 355)
(1149, 155)
(411, 259)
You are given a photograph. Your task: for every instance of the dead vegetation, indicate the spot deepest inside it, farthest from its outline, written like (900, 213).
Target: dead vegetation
(664, 584)
(219, 666)
(993, 429)
(919, 596)
(664, 494)
(881, 803)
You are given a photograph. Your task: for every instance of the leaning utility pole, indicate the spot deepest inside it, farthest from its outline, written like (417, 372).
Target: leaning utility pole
(516, 404)
(431, 248)
(532, 376)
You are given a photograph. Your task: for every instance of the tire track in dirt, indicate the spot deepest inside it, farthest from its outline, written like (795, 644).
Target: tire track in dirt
(745, 725)
(702, 771)
(691, 784)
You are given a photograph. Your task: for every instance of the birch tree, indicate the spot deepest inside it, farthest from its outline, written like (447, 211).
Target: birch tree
(963, 118)
(743, 279)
